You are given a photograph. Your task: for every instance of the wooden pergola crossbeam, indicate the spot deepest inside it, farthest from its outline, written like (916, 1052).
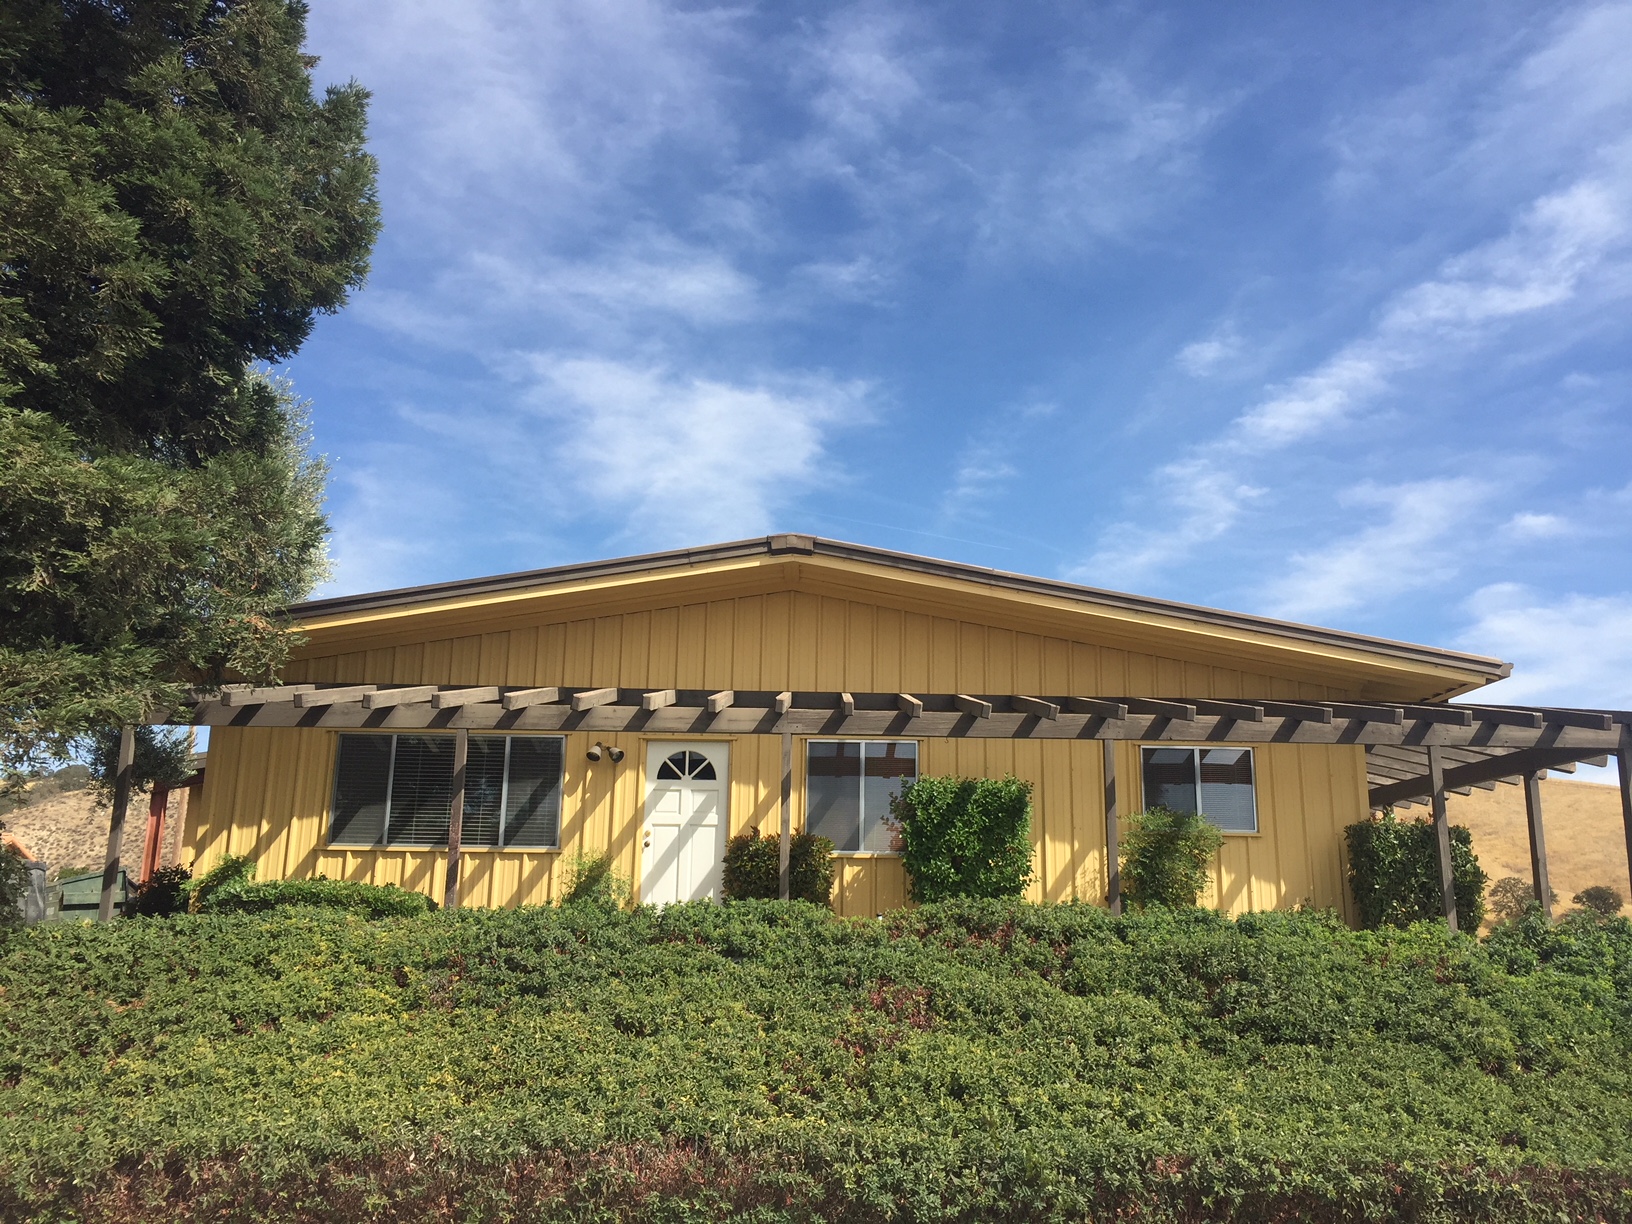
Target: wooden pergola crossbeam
(1377, 726)
(1504, 765)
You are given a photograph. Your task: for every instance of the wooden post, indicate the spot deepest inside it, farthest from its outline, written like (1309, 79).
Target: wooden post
(1538, 844)
(1623, 764)
(1442, 833)
(116, 824)
(784, 887)
(1113, 838)
(154, 842)
(456, 818)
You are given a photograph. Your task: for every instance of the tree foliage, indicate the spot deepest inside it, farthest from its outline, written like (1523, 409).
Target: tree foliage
(123, 579)
(964, 837)
(175, 207)
(1600, 899)
(1166, 857)
(1394, 873)
(1510, 896)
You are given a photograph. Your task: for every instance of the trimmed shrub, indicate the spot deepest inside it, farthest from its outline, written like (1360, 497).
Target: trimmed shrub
(1166, 857)
(368, 900)
(964, 837)
(591, 880)
(1600, 899)
(753, 868)
(230, 871)
(1394, 873)
(162, 894)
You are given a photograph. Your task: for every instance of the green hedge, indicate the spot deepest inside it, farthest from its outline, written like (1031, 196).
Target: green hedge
(965, 1061)
(1394, 873)
(1167, 857)
(964, 837)
(753, 868)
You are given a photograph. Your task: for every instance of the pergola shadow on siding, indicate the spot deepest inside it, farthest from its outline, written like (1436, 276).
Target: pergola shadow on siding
(1414, 752)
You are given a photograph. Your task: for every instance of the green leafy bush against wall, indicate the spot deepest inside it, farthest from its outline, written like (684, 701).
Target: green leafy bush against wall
(753, 868)
(968, 1061)
(964, 837)
(1166, 857)
(592, 880)
(1394, 873)
(162, 894)
(229, 887)
(230, 871)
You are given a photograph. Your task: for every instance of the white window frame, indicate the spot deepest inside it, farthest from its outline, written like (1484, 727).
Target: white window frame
(861, 783)
(1198, 749)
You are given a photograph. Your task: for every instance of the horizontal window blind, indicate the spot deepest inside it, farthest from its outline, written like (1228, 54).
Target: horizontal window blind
(398, 790)
(848, 788)
(1216, 782)
(532, 810)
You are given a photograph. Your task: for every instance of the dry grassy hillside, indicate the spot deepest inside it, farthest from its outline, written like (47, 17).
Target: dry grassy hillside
(70, 830)
(1586, 842)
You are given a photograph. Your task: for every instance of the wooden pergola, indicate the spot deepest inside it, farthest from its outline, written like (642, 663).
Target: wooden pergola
(1414, 752)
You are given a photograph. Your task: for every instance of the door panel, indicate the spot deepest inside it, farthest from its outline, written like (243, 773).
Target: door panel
(683, 839)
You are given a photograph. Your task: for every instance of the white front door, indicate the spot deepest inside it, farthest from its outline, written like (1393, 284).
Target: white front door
(683, 841)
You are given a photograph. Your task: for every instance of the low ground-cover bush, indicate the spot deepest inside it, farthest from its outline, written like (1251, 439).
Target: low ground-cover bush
(369, 900)
(969, 1061)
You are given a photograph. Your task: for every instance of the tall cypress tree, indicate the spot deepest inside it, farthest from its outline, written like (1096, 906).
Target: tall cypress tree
(176, 206)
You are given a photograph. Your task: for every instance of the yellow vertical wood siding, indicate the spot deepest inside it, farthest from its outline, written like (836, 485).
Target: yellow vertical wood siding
(267, 790)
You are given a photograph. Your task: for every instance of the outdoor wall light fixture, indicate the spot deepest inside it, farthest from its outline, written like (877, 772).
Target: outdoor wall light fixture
(599, 750)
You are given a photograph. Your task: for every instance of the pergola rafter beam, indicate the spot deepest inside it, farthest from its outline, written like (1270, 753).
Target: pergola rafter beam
(1504, 765)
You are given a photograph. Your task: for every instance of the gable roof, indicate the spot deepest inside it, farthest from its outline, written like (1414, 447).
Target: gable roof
(1444, 672)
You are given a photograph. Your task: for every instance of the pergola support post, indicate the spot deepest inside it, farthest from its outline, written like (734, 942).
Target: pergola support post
(1442, 835)
(784, 885)
(1623, 765)
(456, 818)
(1113, 860)
(1538, 844)
(153, 844)
(116, 823)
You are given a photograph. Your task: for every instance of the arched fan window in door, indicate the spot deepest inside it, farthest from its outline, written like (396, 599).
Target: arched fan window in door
(687, 764)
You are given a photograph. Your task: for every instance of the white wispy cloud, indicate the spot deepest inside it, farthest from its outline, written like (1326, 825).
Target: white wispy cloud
(1201, 358)
(680, 458)
(1544, 260)
(1413, 541)
(1569, 649)
(990, 459)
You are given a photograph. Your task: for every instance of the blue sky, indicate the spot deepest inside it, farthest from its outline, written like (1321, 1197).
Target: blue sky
(1313, 310)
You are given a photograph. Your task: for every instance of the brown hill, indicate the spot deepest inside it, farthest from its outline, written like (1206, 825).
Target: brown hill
(1586, 841)
(68, 830)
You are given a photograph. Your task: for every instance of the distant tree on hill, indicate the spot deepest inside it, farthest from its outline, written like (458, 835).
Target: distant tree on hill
(175, 208)
(1601, 898)
(1512, 895)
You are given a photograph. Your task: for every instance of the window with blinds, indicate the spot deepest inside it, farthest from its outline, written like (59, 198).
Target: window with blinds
(1217, 782)
(397, 790)
(848, 788)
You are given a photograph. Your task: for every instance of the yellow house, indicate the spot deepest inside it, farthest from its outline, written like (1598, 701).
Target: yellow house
(652, 706)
